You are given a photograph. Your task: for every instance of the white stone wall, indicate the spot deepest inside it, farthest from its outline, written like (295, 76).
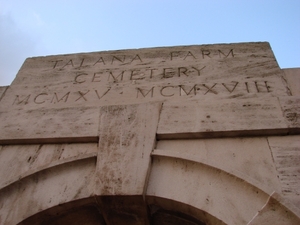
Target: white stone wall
(194, 135)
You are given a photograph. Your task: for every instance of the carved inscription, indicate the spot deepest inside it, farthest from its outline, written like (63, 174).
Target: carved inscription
(204, 89)
(55, 98)
(114, 59)
(164, 91)
(169, 80)
(117, 76)
(204, 54)
(138, 59)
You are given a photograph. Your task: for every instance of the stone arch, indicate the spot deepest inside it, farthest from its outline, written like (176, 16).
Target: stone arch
(88, 211)
(179, 188)
(223, 197)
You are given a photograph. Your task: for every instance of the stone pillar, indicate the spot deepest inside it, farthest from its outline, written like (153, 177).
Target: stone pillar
(127, 138)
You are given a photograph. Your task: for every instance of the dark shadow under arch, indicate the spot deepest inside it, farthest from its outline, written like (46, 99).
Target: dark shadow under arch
(88, 212)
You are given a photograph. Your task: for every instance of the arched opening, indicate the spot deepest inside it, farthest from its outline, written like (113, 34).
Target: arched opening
(88, 212)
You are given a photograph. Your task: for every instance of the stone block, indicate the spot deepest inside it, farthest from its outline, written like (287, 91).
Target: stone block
(248, 159)
(201, 119)
(286, 153)
(206, 61)
(275, 212)
(127, 138)
(25, 160)
(291, 111)
(293, 80)
(66, 85)
(228, 199)
(46, 189)
(241, 70)
(49, 125)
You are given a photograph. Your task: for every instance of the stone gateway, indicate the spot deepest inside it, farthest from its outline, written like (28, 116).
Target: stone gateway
(187, 135)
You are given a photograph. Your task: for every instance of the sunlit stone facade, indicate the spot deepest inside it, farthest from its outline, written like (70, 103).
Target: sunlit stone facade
(186, 135)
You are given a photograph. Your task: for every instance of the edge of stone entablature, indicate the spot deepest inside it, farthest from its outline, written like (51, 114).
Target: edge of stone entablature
(50, 140)
(110, 51)
(226, 134)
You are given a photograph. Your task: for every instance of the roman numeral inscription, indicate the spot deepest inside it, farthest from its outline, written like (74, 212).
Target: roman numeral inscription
(166, 91)
(204, 89)
(125, 77)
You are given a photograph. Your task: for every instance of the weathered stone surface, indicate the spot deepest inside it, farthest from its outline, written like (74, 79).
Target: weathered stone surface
(291, 111)
(133, 76)
(98, 129)
(249, 159)
(227, 198)
(286, 153)
(37, 177)
(274, 213)
(198, 119)
(46, 189)
(292, 76)
(25, 160)
(127, 137)
(71, 87)
(49, 125)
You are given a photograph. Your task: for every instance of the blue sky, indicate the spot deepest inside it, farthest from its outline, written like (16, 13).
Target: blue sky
(37, 28)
